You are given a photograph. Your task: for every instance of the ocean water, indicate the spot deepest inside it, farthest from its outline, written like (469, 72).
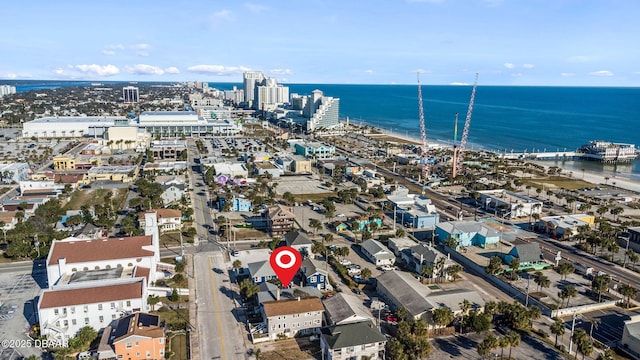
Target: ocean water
(504, 119)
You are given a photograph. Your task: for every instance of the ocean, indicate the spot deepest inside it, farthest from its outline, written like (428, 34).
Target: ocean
(505, 118)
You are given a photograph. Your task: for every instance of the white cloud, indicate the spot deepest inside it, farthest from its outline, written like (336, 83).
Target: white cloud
(601, 73)
(255, 8)
(99, 70)
(422, 71)
(509, 65)
(281, 71)
(459, 83)
(516, 74)
(141, 49)
(10, 76)
(369, 71)
(219, 70)
(143, 69)
(221, 16)
(528, 66)
(172, 70)
(567, 74)
(108, 52)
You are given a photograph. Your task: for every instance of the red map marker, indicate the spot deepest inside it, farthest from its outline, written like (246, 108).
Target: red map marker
(285, 262)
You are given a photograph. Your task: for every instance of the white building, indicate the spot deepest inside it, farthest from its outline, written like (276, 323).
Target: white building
(251, 79)
(172, 188)
(92, 282)
(322, 111)
(509, 204)
(167, 219)
(185, 123)
(630, 342)
(270, 95)
(7, 90)
(377, 253)
(130, 94)
(231, 170)
(64, 311)
(70, 126)
(14, 172)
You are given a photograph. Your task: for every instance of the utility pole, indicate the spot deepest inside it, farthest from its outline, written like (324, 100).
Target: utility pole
(573, 324)
(526, 303)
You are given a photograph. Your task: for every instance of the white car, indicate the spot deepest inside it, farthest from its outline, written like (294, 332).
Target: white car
(340, 215)
(354, 271)
(387, 268)
(345, 262)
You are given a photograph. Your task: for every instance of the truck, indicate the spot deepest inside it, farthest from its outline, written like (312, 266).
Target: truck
(584, 270)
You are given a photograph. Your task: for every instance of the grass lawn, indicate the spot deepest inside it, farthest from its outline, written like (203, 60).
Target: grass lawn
(558, 182)
(171, 239)
(92, 197)
(172, 316)
(179, 347)
(316, 198)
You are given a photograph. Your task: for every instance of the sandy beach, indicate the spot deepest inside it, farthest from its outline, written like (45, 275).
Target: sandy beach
(588, 176)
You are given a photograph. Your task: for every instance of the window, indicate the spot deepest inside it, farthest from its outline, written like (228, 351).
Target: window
(113, 305)
(99, 307)
(148, 354)
(128, 303)
(119, 356)
(138, 354)
(137, 343)
(161, 340)
(101, 318)
(86, 308)
(86, 321)
(161, 352)
(113, 316)
(73, 321)
(55, 312)
(128, 345)
(97, 268)
(73, 310)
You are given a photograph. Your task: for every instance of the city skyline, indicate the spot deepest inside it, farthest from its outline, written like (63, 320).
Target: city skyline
(557, 43)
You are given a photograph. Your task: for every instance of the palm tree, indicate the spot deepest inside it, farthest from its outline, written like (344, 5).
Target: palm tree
(427, 272)
(237, 265)
(571, 291)
(442, 316)
(579, 336)
(503, 342)
(628, 292)
(557, 328)
(514, 340)
(315, 224)
(365, 273)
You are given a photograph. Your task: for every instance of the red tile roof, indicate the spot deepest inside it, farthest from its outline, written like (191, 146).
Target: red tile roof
(163, 213)
(141, 272)
(90, 295)
(101, 249)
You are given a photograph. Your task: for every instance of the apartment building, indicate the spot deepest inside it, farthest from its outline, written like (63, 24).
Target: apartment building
(293, 317)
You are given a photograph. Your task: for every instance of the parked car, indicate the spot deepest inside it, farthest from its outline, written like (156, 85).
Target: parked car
(354, 271)
(357, 291)
(314, 338)
(345, 262)
(392, 318)
(387, 268)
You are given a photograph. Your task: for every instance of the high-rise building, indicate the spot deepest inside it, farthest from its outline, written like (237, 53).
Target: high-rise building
(7, 90)
(322, 111)
(251, 80)
(270, 95)
(130, 94)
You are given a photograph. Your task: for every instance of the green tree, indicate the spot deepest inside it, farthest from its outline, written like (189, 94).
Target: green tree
(571, 291)
(565, 269)
(365, 273)
(557, 328)
(451, 243)
(83, 339)
(628, 292)
(237, 265)
(248, 288)
(174, 296)
(503, 342)
(579, 337)
(453, 270)
(599, 284)
(494, 267)
(442, 316)
(514, 340)
(315, 224)
(153, 300)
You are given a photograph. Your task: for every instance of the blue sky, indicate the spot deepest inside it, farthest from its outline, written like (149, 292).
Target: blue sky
(508, 42)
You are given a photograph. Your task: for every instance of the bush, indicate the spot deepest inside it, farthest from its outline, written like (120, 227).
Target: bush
(163, 309)
(178, 277)
(180, 266)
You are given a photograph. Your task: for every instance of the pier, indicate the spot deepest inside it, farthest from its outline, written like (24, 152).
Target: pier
(547, 155)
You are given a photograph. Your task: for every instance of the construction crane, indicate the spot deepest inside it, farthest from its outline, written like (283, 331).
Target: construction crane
(459, 159)
(455, 146)
(423, 133)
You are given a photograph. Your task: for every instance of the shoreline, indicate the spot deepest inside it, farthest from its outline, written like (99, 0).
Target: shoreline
(596, 178)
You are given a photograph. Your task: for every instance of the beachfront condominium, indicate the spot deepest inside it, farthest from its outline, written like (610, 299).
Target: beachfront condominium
(270, 95)
(262, 92)
(251, 79)
(130, 94)
(322, 111)
(7, 90)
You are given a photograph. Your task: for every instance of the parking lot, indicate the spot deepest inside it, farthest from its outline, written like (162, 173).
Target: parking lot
(18, 292)
(608, 324)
